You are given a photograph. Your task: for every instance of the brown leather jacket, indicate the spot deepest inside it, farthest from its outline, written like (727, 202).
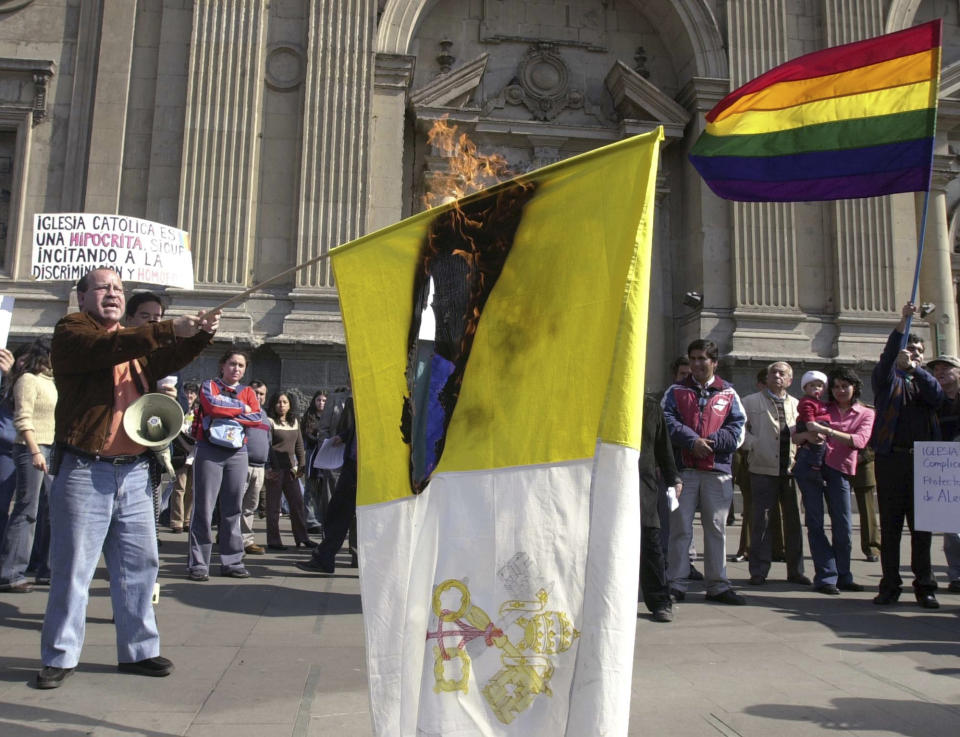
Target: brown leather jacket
(83, 354)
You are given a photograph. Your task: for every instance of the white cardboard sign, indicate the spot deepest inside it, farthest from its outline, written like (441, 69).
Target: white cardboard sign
(68, 245)
(936, 486)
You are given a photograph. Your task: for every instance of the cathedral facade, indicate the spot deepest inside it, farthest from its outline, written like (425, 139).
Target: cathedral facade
(273, 131)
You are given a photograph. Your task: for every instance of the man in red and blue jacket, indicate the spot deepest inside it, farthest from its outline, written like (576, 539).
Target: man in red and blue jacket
(705, 420)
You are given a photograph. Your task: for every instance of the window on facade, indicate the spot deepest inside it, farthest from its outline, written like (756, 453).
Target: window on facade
(8, 147)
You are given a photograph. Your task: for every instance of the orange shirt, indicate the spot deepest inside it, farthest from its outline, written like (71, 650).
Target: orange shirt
(125, 393)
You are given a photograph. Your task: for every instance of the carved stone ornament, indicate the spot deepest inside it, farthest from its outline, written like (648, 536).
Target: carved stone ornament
(542, 84)
(8, 6)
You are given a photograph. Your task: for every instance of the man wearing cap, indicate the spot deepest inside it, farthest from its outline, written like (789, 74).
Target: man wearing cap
(100, 500)
(771, 415)
(946, 369)
(907, 399)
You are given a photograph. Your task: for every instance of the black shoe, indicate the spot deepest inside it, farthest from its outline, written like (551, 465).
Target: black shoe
(827, 588)
(872, 558)
(729, 596)
(928, 601)
(236, 573)
(852, 586)
(157, 667)
(664, 614)
(315, 529)
(738, 558)
(886, 597)
(313, 567)
(678, 595)
(694, 575)
(52, 677)
(276, 547)
(954, 587)
(799, 579)
(197, 576)
(757, 580)
(309, 544)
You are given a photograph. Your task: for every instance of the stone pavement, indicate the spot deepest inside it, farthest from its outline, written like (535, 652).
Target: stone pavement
(281, 654)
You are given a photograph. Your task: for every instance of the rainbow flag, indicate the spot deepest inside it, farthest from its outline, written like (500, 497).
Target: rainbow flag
(856, 120)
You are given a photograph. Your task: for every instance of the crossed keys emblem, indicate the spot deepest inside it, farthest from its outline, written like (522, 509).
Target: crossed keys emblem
(526, 666)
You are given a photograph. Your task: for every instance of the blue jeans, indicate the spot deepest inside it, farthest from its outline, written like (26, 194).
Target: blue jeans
(831, 558)
(96, 506)
(18, 540)
(8, 483)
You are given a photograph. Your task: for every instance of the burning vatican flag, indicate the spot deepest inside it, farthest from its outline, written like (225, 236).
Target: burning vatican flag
(496, 348)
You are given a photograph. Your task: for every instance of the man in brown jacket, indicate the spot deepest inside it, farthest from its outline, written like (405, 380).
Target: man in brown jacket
(100, 498)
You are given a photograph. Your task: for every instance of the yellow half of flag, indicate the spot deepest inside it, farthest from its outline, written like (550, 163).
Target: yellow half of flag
(557, 361)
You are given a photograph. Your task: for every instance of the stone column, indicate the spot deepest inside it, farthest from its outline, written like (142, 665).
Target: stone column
(333, 173)
(936, 274)
(864, 234)
(766, 304)
(219, 173)
(108, 122)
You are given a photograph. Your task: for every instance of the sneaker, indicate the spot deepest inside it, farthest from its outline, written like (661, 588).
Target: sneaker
(729, 596)
(664, 614)
(828, 588)
(235, 573)
(694, 575)
(253, 549)
(852, 586)
(52, 677)
(312, 566)
(157, 667)
(872, 558)
(42, 580)
(20, 587)
(198, 576)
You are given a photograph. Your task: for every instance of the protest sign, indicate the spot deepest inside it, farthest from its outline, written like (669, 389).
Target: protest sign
(6, 315)
(936, 486)
(67, 245)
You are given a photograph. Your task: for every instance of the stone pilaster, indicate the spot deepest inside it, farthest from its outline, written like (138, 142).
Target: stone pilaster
(766, 302)
(109, 119)
(333, 171)
(393, 74)
(864, 293)
(219, 174)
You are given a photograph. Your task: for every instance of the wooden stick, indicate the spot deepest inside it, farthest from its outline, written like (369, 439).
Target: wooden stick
(247, 292)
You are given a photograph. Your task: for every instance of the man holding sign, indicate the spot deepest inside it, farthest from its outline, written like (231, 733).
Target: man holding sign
(907, 398)
(100, 498)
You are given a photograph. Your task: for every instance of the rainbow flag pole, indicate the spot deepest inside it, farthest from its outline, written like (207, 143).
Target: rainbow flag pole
(851, 121)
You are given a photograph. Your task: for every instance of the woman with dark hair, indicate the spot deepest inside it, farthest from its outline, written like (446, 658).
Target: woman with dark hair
(34, 401)
(283, 476)
(220, 468)
(316, 495)
(847, 431)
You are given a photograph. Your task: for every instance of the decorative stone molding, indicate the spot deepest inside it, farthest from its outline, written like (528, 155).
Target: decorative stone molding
(945, 171)
(8, 6)
(635, 97)
(542, 86)
(40, 71)
(453, 89)
(393, 71)
(285, 66)
(701, 94)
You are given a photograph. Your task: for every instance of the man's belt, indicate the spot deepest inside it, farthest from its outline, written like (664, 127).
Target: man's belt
(112, 460)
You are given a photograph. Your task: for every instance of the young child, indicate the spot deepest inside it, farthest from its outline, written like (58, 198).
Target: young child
(812, 409)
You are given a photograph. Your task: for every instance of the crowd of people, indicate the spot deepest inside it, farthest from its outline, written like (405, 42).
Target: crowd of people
(74, 485)
(793, 457)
